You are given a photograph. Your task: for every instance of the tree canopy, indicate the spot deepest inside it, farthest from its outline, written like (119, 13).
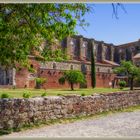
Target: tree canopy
(24, 26)
(72, 77)
(128, 69)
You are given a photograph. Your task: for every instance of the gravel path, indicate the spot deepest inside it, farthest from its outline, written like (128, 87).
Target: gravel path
(120, 124)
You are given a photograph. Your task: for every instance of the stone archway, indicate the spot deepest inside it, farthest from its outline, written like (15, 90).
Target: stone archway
(5, 76)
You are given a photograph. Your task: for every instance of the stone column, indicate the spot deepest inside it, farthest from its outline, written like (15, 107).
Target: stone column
(14, 77)
(10, 75)
(112, 53)
(95, 52)
(81, 49)
(103, 51)
(124, 54)
(69, 48)
(94, 49)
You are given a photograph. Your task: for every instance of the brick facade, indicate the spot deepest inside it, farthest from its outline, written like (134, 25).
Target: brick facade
(78, 50)
(104, 74)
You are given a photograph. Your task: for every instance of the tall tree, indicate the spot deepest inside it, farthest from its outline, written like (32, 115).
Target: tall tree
(128, 69)
(93, 72)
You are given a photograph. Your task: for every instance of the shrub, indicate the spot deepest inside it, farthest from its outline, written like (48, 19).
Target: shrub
(5, 95)
(14, 87)
(62, 80)
(59, 94)
(122, 84)
(82, 94)
(44, 94)
(26, 95)
(39, 82)
(32, 70)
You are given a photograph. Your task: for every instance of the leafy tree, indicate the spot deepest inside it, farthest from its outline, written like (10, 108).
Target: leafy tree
(137, 79)
(72, 77)
(54, 55)
(122, 84)
(130, 70)
(93, 72)
(25, 26)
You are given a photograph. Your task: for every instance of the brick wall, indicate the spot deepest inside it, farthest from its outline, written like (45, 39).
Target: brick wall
(52, 79)
(102, 79)
(24, 78)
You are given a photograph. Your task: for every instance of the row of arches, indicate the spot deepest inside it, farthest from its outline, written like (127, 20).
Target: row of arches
(125, 53)
(83, 48)
(5, 77)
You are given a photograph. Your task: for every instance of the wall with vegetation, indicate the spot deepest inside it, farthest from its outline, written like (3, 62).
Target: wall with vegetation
(16, 113)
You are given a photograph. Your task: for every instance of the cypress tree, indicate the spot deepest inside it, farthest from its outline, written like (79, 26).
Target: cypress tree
(93, 72)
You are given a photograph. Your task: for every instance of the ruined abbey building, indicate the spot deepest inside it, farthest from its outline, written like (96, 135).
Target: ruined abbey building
(78, 50)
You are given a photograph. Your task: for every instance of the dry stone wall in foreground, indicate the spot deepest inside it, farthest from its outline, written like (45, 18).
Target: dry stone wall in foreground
(15, 113)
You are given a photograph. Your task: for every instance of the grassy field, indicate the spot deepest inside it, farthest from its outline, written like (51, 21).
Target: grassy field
(17, 93)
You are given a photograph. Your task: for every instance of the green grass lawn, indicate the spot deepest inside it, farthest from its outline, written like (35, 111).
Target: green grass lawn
(17, 93)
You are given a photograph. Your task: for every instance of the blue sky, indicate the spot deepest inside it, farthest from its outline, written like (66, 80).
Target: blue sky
(111, 30)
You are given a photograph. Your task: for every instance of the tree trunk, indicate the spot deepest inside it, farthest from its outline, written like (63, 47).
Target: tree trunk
(71, 84)
(131, 83)
(38, 86)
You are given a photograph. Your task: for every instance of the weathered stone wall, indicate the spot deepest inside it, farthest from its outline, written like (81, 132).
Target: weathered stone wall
(79, 48)
(66, 65)
(15, 113)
